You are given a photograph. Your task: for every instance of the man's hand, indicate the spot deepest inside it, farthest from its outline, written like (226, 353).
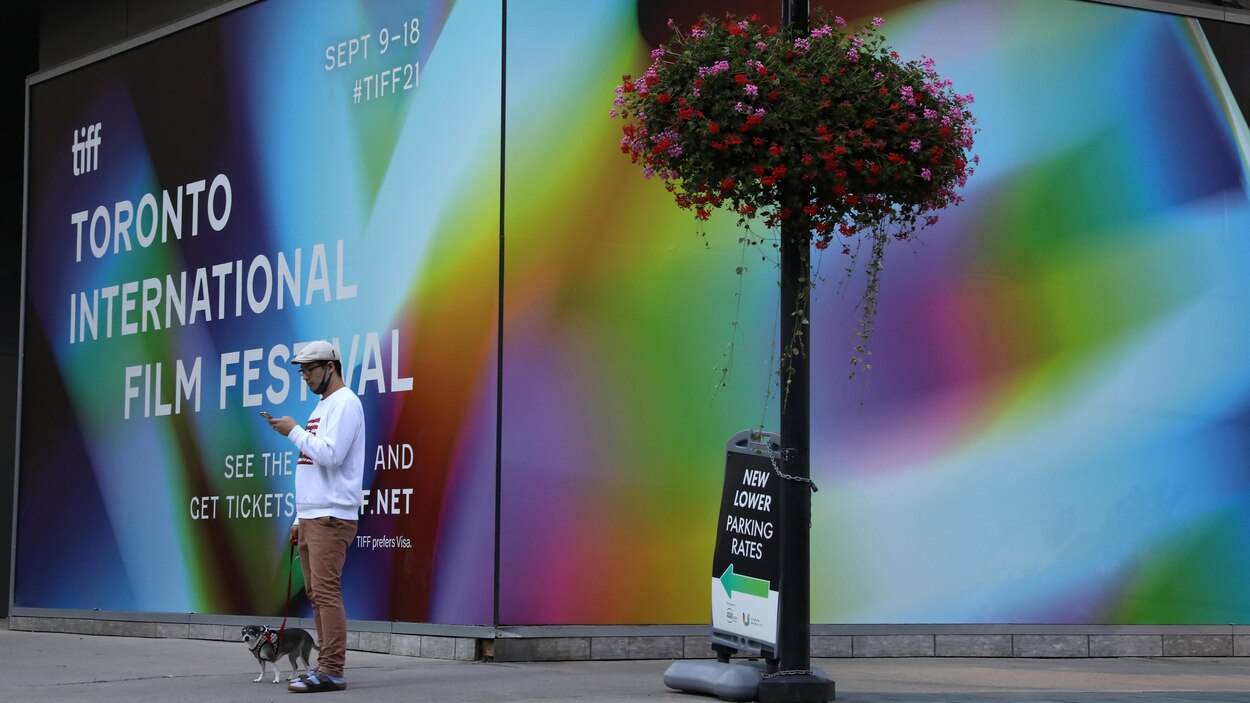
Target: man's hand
(282, 425)
(295, 533)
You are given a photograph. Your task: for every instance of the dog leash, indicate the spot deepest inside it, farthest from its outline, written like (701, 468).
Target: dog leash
(286, 604)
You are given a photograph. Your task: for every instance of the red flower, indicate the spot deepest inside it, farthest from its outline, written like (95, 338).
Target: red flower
(870, 124)
(739, 78)
(734, 139)
(663, 98)
(712, 126)
(779, 171)
(728, 183)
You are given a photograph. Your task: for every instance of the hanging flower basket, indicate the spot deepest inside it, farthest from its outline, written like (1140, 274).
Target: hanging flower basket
(827, 129)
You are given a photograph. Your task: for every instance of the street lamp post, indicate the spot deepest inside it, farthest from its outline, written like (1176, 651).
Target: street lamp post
(794, 680)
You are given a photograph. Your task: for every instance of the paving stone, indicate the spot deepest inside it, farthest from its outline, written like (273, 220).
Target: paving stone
(972, 645)
(609, 648)
(1197, 645)
(892, 645)
(176, 630)
(468, 649)
(1241, 645)
(541, 649)
(1125, 646)
(406, 645)
(655, 647)
(831, 646)
(434, 647)
(374, 642)
(206, 632)
(1050, 645)
(697, 647)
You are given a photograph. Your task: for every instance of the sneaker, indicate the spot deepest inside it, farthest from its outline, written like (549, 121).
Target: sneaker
(317, 681)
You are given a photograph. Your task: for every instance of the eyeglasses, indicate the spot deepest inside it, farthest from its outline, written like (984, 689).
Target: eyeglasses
(305, 369)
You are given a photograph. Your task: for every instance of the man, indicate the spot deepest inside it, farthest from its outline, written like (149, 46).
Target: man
(328, 496)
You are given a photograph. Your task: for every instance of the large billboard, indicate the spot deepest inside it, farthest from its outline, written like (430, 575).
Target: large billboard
(201, 206)
(1054, 430)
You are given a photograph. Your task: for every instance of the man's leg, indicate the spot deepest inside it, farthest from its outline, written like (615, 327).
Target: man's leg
(304, 567)
(327, 540)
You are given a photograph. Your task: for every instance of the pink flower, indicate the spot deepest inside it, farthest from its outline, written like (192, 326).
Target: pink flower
(877, 21)
(839, 21)
(926, 174)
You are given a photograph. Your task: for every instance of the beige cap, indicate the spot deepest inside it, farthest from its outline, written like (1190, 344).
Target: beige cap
(319, 350)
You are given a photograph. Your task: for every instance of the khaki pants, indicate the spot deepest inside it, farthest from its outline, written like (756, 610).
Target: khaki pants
(323, 546)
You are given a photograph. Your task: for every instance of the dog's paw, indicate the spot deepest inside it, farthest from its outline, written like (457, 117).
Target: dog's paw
(275, 679)
(258, 678)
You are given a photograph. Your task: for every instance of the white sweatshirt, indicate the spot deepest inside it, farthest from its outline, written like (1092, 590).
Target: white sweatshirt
(331, 464)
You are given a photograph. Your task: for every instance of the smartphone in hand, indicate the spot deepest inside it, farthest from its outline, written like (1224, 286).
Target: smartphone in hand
(266, 415)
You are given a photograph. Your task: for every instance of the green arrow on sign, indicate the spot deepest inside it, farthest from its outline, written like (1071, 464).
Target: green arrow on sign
(743, 584)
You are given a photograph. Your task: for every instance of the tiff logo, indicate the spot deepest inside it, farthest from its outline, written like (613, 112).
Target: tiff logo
(86, 152)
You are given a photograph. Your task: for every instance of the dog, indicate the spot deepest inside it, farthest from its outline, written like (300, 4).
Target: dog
(266, 646)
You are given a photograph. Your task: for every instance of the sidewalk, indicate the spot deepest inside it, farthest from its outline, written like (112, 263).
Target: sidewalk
(38, 667)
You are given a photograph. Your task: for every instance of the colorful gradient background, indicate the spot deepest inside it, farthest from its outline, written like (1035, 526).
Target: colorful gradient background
(1055, 428)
